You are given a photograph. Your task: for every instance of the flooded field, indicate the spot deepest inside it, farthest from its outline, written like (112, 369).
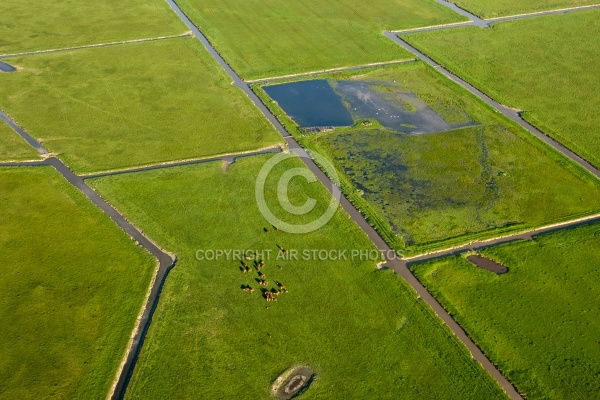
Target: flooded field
(4, 67)
(338, 103)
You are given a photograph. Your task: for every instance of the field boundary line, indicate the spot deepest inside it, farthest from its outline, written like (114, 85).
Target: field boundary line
(486, 22)
(329, 70)
(26, 163)
(542, 13)
(527, 234)
(432, 27)
(91, 46)
(228, 157)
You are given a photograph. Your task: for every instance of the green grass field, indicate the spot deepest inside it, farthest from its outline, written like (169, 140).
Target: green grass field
(49, 24)
(72, 286)
(133, 104)
(546, 66)
(363, 331)
(13, 147)
(428, 191)
(539, 322)
(270, 38)
(491, 9)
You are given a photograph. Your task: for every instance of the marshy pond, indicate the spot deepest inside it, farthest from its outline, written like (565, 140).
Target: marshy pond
(330, 103)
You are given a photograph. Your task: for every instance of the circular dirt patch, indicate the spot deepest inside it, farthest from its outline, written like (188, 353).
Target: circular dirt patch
(292, 382)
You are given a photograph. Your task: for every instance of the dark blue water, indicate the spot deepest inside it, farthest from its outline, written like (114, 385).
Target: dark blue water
(310, 103)
(4, 67)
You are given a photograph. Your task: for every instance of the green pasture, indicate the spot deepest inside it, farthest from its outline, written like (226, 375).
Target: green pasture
(52, 24)
(362, 330)
(134, 104)
(546, 66)
(262, 38)
(72, 286)
(539, 322)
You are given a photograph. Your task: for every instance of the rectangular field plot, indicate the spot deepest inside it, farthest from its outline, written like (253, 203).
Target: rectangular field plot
(539, 321)
(546, 66)
(262, 38)
(362, 330)
(72, 286)
(498, 8)
(134, 104)
(476, 178)
(13, 147)
(50, 24)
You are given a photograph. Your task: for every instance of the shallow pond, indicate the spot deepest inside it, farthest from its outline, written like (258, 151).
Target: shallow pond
(4, 67)
(406, 113)
(321, 103)
(311, 103)
(486, 263)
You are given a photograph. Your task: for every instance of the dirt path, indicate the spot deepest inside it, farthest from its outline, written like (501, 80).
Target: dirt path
(482, 244)
(230, 158)
(325, 71)
(485, 23)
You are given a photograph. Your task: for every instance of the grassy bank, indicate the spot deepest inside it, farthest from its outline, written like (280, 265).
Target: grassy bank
(363, 331)
(538, 322)
(72, 286)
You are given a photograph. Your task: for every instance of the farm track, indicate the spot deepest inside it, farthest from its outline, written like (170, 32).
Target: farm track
(399, 266)
(330, 70)
(229, 158)
(91, 46)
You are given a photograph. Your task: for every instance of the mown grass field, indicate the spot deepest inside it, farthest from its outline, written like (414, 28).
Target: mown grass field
(363, 331)
(13, 147)
(491, 9)
(49, 24)
(539, 322)
(270, 38)
(546, 66)
(428, 191)
(72, 286)
(135, 104)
